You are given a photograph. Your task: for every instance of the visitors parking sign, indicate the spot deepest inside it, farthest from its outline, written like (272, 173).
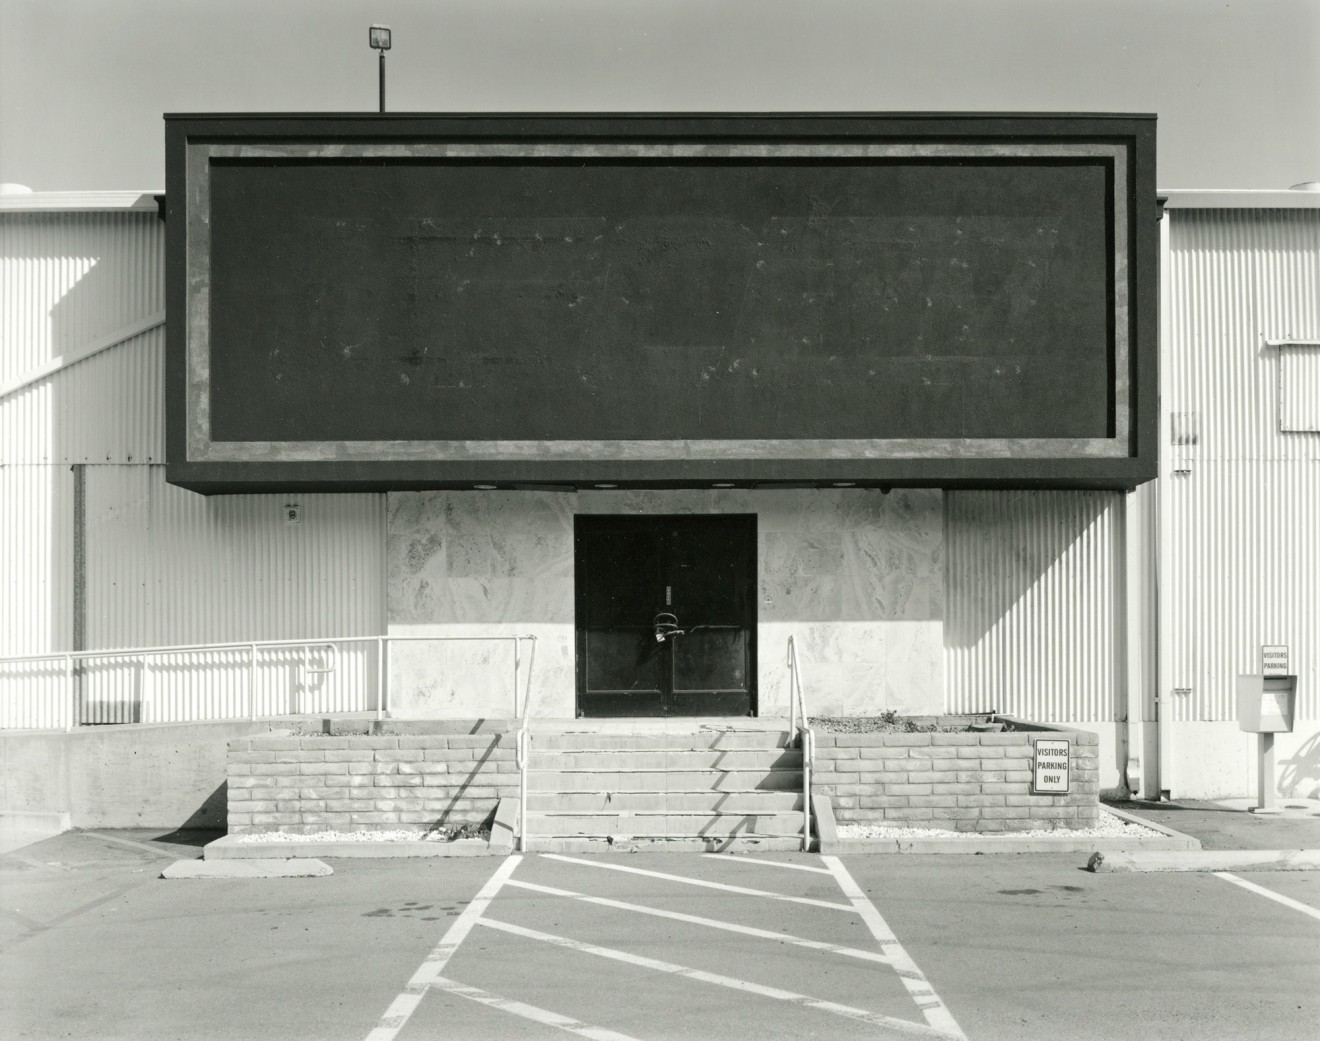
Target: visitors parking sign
(1049, 775)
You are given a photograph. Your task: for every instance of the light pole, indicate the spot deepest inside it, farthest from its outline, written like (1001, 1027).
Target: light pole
(379, 38)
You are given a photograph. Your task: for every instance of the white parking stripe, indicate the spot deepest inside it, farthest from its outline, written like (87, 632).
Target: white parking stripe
(678, 916)
(1270, 894)
(518, 1008)
(743, 890)
(847, 1011)
(131, 844)
(403, 1006)
(937, 1015)
(728, 859)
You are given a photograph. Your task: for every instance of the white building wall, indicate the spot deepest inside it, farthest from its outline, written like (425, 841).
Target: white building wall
(1244, 495)
(82, 384)
(1036, 618)
(167, 567)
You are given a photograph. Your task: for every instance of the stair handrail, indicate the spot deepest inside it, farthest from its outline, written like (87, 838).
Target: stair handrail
(522, 751)
(798, 725)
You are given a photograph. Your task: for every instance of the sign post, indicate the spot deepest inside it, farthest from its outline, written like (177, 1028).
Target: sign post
(1266, 706)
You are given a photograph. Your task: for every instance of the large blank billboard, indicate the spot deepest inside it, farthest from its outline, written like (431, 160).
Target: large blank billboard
(444, 301)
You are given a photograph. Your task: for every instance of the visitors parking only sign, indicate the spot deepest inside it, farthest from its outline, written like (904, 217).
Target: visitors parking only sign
(1049, 774)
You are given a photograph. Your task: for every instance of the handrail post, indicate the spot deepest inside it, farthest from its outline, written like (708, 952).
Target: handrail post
(145, 711)
(380, 677)
(517, 650)
(252, 681)
(524, 749)
(73, 693)
(807, 742)
(792, 686)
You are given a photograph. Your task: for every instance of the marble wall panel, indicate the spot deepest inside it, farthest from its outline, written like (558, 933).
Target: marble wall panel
(854, 575)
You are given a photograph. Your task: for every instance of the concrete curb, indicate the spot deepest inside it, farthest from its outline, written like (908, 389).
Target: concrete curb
(504, 828)
(230, 847)
(246, 869)
(1208, 860)
(1000, 843)
(1061, 842)
(827, 830)
(1132, 818)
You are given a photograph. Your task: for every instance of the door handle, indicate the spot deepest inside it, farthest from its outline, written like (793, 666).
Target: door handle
(666, 625)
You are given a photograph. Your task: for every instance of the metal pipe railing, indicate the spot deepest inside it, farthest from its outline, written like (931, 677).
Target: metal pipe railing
(522, 746)
(143, 658)
(797, 710)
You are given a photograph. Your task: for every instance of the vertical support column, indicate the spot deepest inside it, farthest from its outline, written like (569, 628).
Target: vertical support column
(1138, 635)
(1163, 773)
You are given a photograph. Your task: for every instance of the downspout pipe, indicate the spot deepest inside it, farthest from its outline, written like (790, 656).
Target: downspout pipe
(1161, 783)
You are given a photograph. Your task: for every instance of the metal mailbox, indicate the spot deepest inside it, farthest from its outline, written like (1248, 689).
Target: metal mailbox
(1266, 704)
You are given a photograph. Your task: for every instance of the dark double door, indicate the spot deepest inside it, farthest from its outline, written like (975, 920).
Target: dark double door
(666, 615)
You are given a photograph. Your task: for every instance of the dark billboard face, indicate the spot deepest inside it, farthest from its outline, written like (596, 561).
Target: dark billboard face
(911, 312)
(618, 300)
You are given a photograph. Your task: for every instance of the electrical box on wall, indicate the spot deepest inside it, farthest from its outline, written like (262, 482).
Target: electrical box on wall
(292, 513)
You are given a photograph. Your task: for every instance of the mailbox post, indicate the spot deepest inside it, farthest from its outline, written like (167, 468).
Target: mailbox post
(1266, 706)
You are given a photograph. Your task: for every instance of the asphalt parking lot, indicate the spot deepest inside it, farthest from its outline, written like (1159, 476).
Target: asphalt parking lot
(650, 946)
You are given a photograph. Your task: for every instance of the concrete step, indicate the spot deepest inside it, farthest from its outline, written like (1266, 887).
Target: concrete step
(664, 802)
(663, 780)
(666, 844)
(664, 825)
(663, 740)
(618, 759)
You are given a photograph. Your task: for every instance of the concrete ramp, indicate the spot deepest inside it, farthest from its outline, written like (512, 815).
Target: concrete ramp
(21, 828)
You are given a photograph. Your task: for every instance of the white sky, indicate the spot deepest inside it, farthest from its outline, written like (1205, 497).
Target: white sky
(83, 83)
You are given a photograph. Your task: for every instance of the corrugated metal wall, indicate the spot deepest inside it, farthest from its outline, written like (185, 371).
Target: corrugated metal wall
(105, 409)
(69, 282)
(1033, 622)
(1245, 554)
(167, 567)
(162, 566)
(36, 575)
(68, 279)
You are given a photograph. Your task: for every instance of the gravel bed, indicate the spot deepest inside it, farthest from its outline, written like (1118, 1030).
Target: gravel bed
(894, 725)
(1108, 825)
(400, 835)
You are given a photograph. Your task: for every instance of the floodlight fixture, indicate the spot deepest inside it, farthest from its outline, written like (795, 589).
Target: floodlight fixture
(379, 38)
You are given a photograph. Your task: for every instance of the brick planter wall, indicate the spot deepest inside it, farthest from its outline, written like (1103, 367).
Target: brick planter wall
(311, 783)
(963, 782)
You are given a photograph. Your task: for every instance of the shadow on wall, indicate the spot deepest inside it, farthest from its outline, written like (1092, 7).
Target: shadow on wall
(204, 823)
(1300, 776)
(211, 815)
(999, 545)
